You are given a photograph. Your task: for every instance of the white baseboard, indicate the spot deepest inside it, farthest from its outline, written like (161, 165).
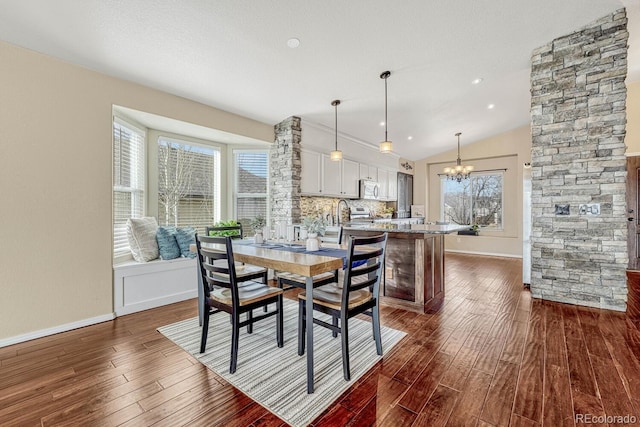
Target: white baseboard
(56, 330)
(483, 253)
(156, 302)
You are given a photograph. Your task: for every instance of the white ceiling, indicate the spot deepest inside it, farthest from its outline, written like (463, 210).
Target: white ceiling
(233, 55)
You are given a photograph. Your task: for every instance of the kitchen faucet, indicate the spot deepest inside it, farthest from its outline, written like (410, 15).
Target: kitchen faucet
(338, 210)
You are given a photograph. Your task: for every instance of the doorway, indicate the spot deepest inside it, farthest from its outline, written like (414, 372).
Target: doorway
(633, 237)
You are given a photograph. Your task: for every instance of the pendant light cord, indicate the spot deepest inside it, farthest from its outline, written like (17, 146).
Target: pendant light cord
(386, 138)
(335, 104)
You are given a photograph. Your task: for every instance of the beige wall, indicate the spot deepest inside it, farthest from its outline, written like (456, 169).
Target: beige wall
(508, 150)
(632, 138)
(55, 183)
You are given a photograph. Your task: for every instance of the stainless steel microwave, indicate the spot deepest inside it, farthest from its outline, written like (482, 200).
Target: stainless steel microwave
(369, 189)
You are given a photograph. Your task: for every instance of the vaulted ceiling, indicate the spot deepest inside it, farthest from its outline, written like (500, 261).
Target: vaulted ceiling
(233, 55)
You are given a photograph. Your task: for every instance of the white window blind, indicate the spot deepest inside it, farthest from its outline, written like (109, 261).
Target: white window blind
(128, 181)
(251, 173)
(188, 184)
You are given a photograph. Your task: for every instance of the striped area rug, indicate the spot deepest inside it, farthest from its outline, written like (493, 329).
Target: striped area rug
(276, 377)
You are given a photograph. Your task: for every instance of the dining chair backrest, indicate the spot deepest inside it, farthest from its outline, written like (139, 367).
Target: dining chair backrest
(221, 273)
(235, 231)
(365, 260)
(332, 234)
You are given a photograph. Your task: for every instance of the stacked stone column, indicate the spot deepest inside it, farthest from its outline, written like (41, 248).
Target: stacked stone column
(578, 122)
(284, 180)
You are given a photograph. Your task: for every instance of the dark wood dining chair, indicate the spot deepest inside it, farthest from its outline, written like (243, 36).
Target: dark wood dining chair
(235, 232)
(249, 271)
(225, 290)
(359, 294)
(287, 281)
(332, 234)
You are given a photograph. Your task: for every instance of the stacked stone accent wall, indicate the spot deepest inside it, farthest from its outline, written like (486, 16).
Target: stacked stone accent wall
(578, 127)
(284, 183)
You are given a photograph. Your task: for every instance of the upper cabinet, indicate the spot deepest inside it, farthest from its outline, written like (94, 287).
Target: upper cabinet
(393, 186)
(350, 175)
(321, 176)
(368, 172)
(386, 178)
(383, 182)
(311, 179)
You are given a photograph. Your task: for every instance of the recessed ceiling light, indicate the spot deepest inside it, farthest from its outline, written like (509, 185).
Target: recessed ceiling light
(293, 43)
(477, 81)
(409, 137)
(381, 123)
(491, 106)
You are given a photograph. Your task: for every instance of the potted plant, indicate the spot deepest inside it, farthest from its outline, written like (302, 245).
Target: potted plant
(315, 225)
(387, 213)
(229, 223)
(471, 231)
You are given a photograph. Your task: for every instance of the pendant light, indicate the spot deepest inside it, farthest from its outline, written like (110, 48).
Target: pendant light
(336, 155)
(386, 146)
(459, 172)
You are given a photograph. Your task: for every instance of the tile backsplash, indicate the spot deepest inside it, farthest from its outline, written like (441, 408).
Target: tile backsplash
(326, 206)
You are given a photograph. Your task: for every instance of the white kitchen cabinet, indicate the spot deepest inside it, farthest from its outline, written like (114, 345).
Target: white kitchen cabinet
(320, 176)
(383, 181)
(339, 178)
(331, 176)
(311, 173)
(350, 175)
(392, 194)
(368, 172)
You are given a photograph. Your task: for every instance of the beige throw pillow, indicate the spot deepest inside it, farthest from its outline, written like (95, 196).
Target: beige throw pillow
(142, 238)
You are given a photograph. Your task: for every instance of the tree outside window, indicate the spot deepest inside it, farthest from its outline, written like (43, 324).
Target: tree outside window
(188, 184)
(477, 200)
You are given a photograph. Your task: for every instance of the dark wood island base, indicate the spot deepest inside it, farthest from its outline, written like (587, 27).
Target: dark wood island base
(414, 264)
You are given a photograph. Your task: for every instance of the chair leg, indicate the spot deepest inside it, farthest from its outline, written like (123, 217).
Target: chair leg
(376, 329)
(250, 319)
(344, 332)
(265, 280)
(205, 329)
(301, 327)
(335, 323)
(279, 322)
(234, 343)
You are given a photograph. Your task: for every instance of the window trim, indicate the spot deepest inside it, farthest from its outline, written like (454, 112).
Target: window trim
(138, 128)
(501, 173)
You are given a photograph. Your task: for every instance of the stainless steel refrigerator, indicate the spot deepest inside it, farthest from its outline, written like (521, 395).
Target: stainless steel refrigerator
(405, 195)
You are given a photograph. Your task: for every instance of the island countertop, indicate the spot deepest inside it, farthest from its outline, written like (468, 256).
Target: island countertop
(405, 228)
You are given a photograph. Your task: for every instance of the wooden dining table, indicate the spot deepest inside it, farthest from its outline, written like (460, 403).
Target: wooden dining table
(304, 264)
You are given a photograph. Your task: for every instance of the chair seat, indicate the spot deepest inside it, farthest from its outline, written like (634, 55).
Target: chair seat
(248, 294)
(331, 296)
(292, 277)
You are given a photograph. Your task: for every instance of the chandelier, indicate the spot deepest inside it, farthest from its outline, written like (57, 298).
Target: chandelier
(459, 172)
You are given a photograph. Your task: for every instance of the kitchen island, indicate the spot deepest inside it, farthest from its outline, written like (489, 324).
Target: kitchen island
(414, 262)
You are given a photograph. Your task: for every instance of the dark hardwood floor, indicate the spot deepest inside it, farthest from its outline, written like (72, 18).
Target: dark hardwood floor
(492, 356)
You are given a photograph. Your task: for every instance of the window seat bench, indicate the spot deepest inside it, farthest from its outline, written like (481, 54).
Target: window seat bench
(140, 286)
